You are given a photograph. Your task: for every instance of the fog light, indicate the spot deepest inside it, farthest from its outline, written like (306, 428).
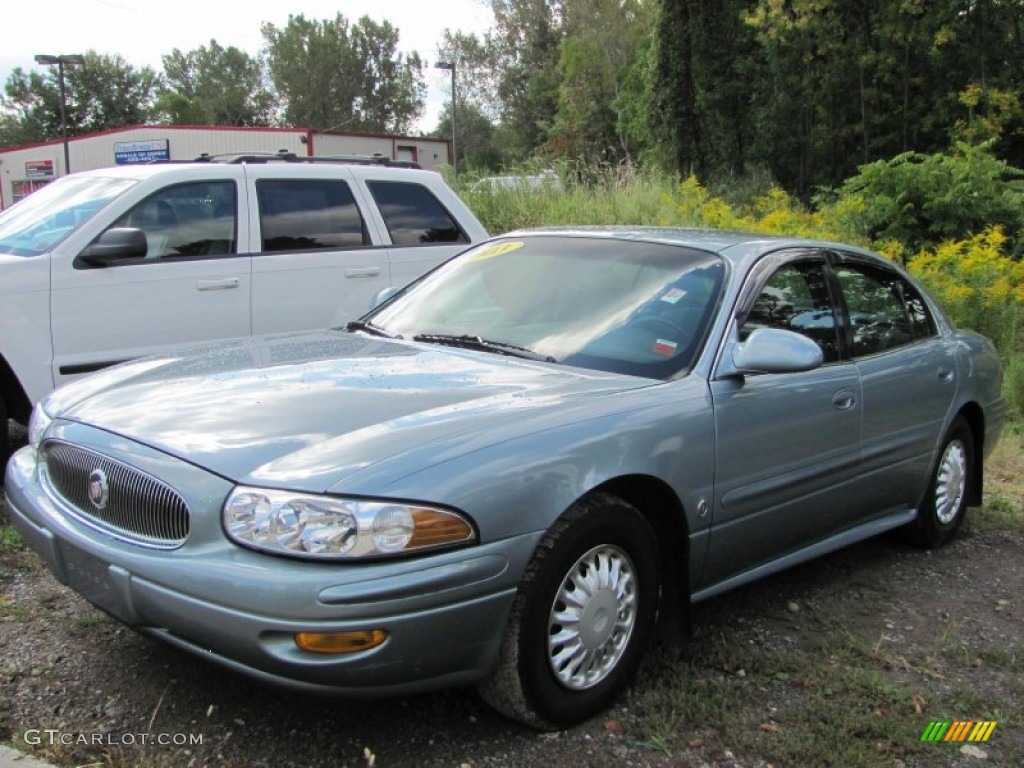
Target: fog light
(340, 642)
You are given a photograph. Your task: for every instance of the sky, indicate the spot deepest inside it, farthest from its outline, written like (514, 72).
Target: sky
(142, 31)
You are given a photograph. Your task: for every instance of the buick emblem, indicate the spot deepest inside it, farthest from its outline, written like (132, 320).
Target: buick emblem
(99, 491)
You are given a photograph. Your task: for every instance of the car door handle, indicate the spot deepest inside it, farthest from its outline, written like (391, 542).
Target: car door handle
(844, 399)
(224, 284)
(945, 374)
(362, 272)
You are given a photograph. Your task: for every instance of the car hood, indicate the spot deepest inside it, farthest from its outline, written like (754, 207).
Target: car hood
(305, 411)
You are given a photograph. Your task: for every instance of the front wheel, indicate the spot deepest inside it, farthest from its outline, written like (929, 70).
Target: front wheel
(945, 504)
(581, 619)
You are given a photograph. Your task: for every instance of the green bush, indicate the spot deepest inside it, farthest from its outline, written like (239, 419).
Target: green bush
(923, 200)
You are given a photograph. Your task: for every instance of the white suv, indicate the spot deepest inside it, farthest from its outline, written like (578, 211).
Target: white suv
(113, 264)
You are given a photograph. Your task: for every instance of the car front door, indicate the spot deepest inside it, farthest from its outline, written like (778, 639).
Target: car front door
(788, 444)
(192, 284)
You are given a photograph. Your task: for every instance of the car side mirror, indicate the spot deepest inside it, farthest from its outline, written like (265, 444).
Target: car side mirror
(117, 244)
(383, 295)
(773, 350)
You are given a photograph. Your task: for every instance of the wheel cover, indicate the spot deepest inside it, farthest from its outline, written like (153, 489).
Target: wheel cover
(592, 617)
(950, 482)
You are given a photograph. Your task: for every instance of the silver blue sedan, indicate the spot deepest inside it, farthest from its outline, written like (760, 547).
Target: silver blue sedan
(504, 474)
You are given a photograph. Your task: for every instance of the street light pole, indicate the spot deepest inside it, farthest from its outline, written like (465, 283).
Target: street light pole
(451, 65)
(62, 60)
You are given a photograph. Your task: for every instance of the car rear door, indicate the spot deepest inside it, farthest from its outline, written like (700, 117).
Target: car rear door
(192, 285)
(788, 444)
(908, 374)
(319, 257)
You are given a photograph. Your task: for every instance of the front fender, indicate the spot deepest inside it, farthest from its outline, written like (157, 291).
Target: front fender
(523, 484)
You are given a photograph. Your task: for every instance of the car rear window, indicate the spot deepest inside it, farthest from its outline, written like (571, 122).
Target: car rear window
(298, 215)
(413, 215)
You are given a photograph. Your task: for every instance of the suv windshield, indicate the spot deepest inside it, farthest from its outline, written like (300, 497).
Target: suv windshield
(615, 305)
(44, 218)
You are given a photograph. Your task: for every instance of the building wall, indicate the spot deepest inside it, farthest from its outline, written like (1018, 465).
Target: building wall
(23, 169)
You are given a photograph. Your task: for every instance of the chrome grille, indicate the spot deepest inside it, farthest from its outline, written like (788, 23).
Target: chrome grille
(138, 507)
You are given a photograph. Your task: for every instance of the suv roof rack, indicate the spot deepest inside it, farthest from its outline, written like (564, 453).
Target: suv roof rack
(284, 156)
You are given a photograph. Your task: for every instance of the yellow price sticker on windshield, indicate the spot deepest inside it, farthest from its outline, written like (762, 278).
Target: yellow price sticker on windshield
(496, 249)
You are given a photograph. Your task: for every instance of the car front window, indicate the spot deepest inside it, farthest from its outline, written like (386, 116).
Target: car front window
(616, 305)
(40, 221)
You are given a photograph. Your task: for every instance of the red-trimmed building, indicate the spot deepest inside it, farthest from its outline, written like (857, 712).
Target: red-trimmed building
(26, 168)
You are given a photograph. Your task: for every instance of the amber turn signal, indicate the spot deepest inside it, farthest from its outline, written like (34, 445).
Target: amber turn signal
(340, 642)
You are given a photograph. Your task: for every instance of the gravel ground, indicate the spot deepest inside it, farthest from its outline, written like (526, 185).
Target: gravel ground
(101, 688)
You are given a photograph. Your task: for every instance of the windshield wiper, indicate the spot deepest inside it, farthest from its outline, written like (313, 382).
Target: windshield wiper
(376, 330)
(467, 341)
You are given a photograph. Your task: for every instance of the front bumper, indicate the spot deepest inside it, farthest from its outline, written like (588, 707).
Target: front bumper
(444, 614)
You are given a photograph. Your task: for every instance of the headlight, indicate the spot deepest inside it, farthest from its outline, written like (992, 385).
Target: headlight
(37, 425)
(325, 527)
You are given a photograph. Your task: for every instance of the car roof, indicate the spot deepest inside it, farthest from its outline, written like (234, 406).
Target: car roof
(734, 246)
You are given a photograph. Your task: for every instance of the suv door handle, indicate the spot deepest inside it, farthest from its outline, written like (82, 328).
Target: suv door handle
(362, 272)
(224, 284)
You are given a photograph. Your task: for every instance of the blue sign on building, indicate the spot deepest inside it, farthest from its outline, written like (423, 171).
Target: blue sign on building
(134, 152)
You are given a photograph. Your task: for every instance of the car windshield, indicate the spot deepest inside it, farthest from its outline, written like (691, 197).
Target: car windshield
(615, 305)
(44, 218)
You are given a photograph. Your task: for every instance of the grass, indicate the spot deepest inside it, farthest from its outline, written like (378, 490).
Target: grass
(1004, 485)
(828, 687)
(10, 539)
(843, 703)
(619, 196)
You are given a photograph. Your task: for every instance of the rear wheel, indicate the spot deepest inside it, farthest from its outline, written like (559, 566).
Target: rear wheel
(945, 504)
(5, 438)
(582, 617)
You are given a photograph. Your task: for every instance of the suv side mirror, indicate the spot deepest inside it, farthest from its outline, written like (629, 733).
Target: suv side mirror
(117, 244)
(383, 295)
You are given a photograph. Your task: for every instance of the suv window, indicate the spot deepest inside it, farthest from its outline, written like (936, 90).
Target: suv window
(796, 298)
(187, 220)
(413, 215)
(885, 310)
(298, 215)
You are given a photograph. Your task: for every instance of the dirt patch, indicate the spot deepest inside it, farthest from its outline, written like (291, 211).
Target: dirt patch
(844, 661)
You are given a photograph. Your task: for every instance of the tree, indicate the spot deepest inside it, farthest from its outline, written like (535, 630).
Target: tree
(602, 40)
(213, 85)
(331, 74)
(476, 85)
(675, 86)
(476, 144)
(526, 37)
(478, 77)
(102, 93)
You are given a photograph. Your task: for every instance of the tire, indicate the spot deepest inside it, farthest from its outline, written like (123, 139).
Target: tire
(553, 672)
(945, 504)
